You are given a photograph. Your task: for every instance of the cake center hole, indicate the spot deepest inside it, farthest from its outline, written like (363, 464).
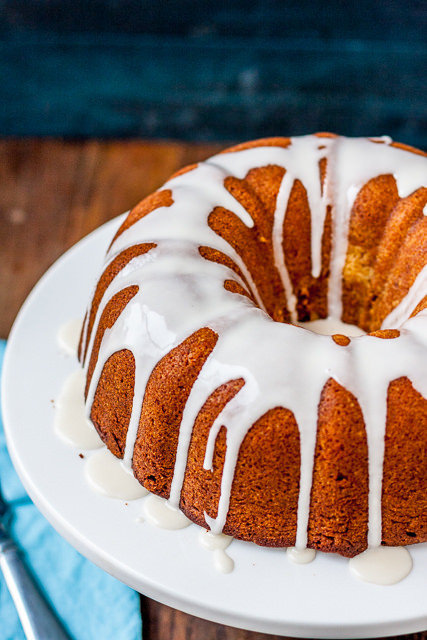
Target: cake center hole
(331, 326)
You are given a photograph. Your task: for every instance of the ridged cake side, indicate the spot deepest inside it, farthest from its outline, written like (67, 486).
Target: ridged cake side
(199, 380)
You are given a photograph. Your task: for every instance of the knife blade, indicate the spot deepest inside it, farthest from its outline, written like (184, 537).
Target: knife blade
(37, 618)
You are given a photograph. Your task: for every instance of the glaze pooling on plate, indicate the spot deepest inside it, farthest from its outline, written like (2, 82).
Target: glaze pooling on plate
(360, 609)
(172, 278)
(69, 335)
(382, 565)
(161, 514)
(301, 556)
(71, 422)
(107, 475)
(218, 543)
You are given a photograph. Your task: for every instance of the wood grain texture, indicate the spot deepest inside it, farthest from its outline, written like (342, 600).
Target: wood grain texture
(52, 193)
(163, 623)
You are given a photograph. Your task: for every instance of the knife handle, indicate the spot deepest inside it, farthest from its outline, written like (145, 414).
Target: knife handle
(37, 618)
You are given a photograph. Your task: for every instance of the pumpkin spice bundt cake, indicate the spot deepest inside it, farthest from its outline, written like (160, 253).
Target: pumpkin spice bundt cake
(202, 375)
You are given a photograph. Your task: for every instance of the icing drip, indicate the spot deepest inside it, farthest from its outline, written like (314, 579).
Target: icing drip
(279, 259)
(302, 154)
(330, 326)
(301, 556)
(68, 336)
(218, 544)
(352, 163)
(71, 422)
(382, 565)
(160, 513)
(179, 292)
(107, 475)
(408, 303)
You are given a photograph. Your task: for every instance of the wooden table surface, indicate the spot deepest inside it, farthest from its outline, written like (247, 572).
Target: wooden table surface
(52, 193)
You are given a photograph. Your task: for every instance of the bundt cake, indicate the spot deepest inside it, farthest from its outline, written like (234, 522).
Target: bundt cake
(200, 377)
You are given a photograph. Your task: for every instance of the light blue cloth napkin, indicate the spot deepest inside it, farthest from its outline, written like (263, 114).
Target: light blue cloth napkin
(90, 603)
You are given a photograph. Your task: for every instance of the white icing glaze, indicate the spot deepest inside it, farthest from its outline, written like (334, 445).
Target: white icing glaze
(69, 334)
(301, 556)
(223, 562)
(353, 162)
(71, 422)
(180, 292)
(408, 303)
(329, 326)
(382, 565)
(107, 474)
(160, 513)
(218, 543)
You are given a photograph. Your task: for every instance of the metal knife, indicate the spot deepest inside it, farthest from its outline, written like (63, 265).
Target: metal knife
(37, 618)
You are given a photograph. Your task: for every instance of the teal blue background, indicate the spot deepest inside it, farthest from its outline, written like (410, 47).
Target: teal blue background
(90, 603)
(213, 70)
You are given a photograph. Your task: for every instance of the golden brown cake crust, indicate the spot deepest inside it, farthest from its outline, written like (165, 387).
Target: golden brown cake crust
(166, 395)
(111, 312)
(387, 249)
(311, 292)
(112, 403)
(404, 510)
(339, 497)
(146, 206)
(257, 194)
(107, 277)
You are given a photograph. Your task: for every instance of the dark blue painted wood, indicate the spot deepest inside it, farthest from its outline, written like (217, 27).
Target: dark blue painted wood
(230, 71)
(365, 19)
